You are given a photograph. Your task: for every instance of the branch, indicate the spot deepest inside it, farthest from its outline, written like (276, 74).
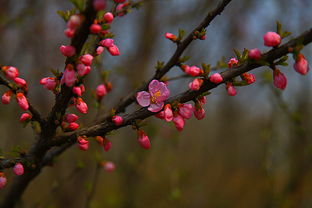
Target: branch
(175, 57)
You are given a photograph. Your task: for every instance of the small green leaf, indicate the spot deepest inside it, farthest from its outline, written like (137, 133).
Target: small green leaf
(279, 28)
(181, 34)
(237, 53)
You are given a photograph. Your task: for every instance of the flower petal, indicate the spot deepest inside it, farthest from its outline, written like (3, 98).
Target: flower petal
(143, 98)
(164, 92)
(155, 107)
(154, 86)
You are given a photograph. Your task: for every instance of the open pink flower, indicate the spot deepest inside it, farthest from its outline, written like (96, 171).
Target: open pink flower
(158, 93)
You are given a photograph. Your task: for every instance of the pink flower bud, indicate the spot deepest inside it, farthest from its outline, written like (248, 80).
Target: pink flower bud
(196, 84)
(10, 72)
(199, 113)
(108, 17)
(6, 97)
(178, 122)
(193, 70)
(70, 118)
(109, 166)
(119, 9)
(81, 106)
(248, 77)
(254, 54)
(301, 66)
(107, 42)
(77, 91)
(67, 51)
(69, 76)
(83, 144)
(171, 37)
(231, 91)
(107, 144)
(95, 28)
(86, 59)
(280, 80)
(3, 182)
(99, 5)
(74, 21)
(72, 126)
(113, 50)
(25, 117)
(83, 70)
(232, 62)
(186, 110)
(99, 50)
(202, 100)
(22, 101)
(271, 39)
(18, 169)
(70, 33)
(48, 82)
(143, 140)
(118, 120)
(160, 115)
(101, 91)
(20, 82)
(216, 78)
(168, 115)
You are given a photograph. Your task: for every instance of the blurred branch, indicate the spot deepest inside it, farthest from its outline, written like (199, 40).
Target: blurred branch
(93, 186)
(175, 57)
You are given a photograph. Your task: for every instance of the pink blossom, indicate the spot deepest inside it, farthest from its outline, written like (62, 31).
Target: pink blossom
(171, 37)
(48, 82)
(101, 91)
(25, 117)
(178, 122)
(119, 9)
(99, 50)
(72, 126)
(108, 42)
(20, 82)
(107, 144)
(6, 97)
(83, 144)
(70, 118)
(193, 70)
(158, 93)
(18, 169)
(199, 113)
(67, 51)
(143, 140)
(95, 28)
(10, 72)
(280, 80)
(168, 115)
(232, 62)
(216, 78)
(202, 100)
(22, 101)
(77, 91)
(83, 70)
(113, 50)
(254, 54)
(271, 39)
(69, 76)
(99, 5)
(109, 166)
(186, 110)
(119, 1)
(74, 21)
(196, 84)
(231, 91)
(248, 77)
(301, 66)
(108, 17)
(118, 120)
(70, 33)
(86, 59)
(3, 181)
(81, 106)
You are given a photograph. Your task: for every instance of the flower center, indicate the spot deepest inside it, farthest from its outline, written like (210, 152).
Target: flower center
(155, 96)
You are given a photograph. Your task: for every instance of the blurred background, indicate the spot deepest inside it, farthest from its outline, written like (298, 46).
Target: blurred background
(251, 150)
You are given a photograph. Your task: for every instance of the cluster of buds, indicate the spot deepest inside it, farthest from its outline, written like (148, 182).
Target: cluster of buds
(73, 23)
(69, 122)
